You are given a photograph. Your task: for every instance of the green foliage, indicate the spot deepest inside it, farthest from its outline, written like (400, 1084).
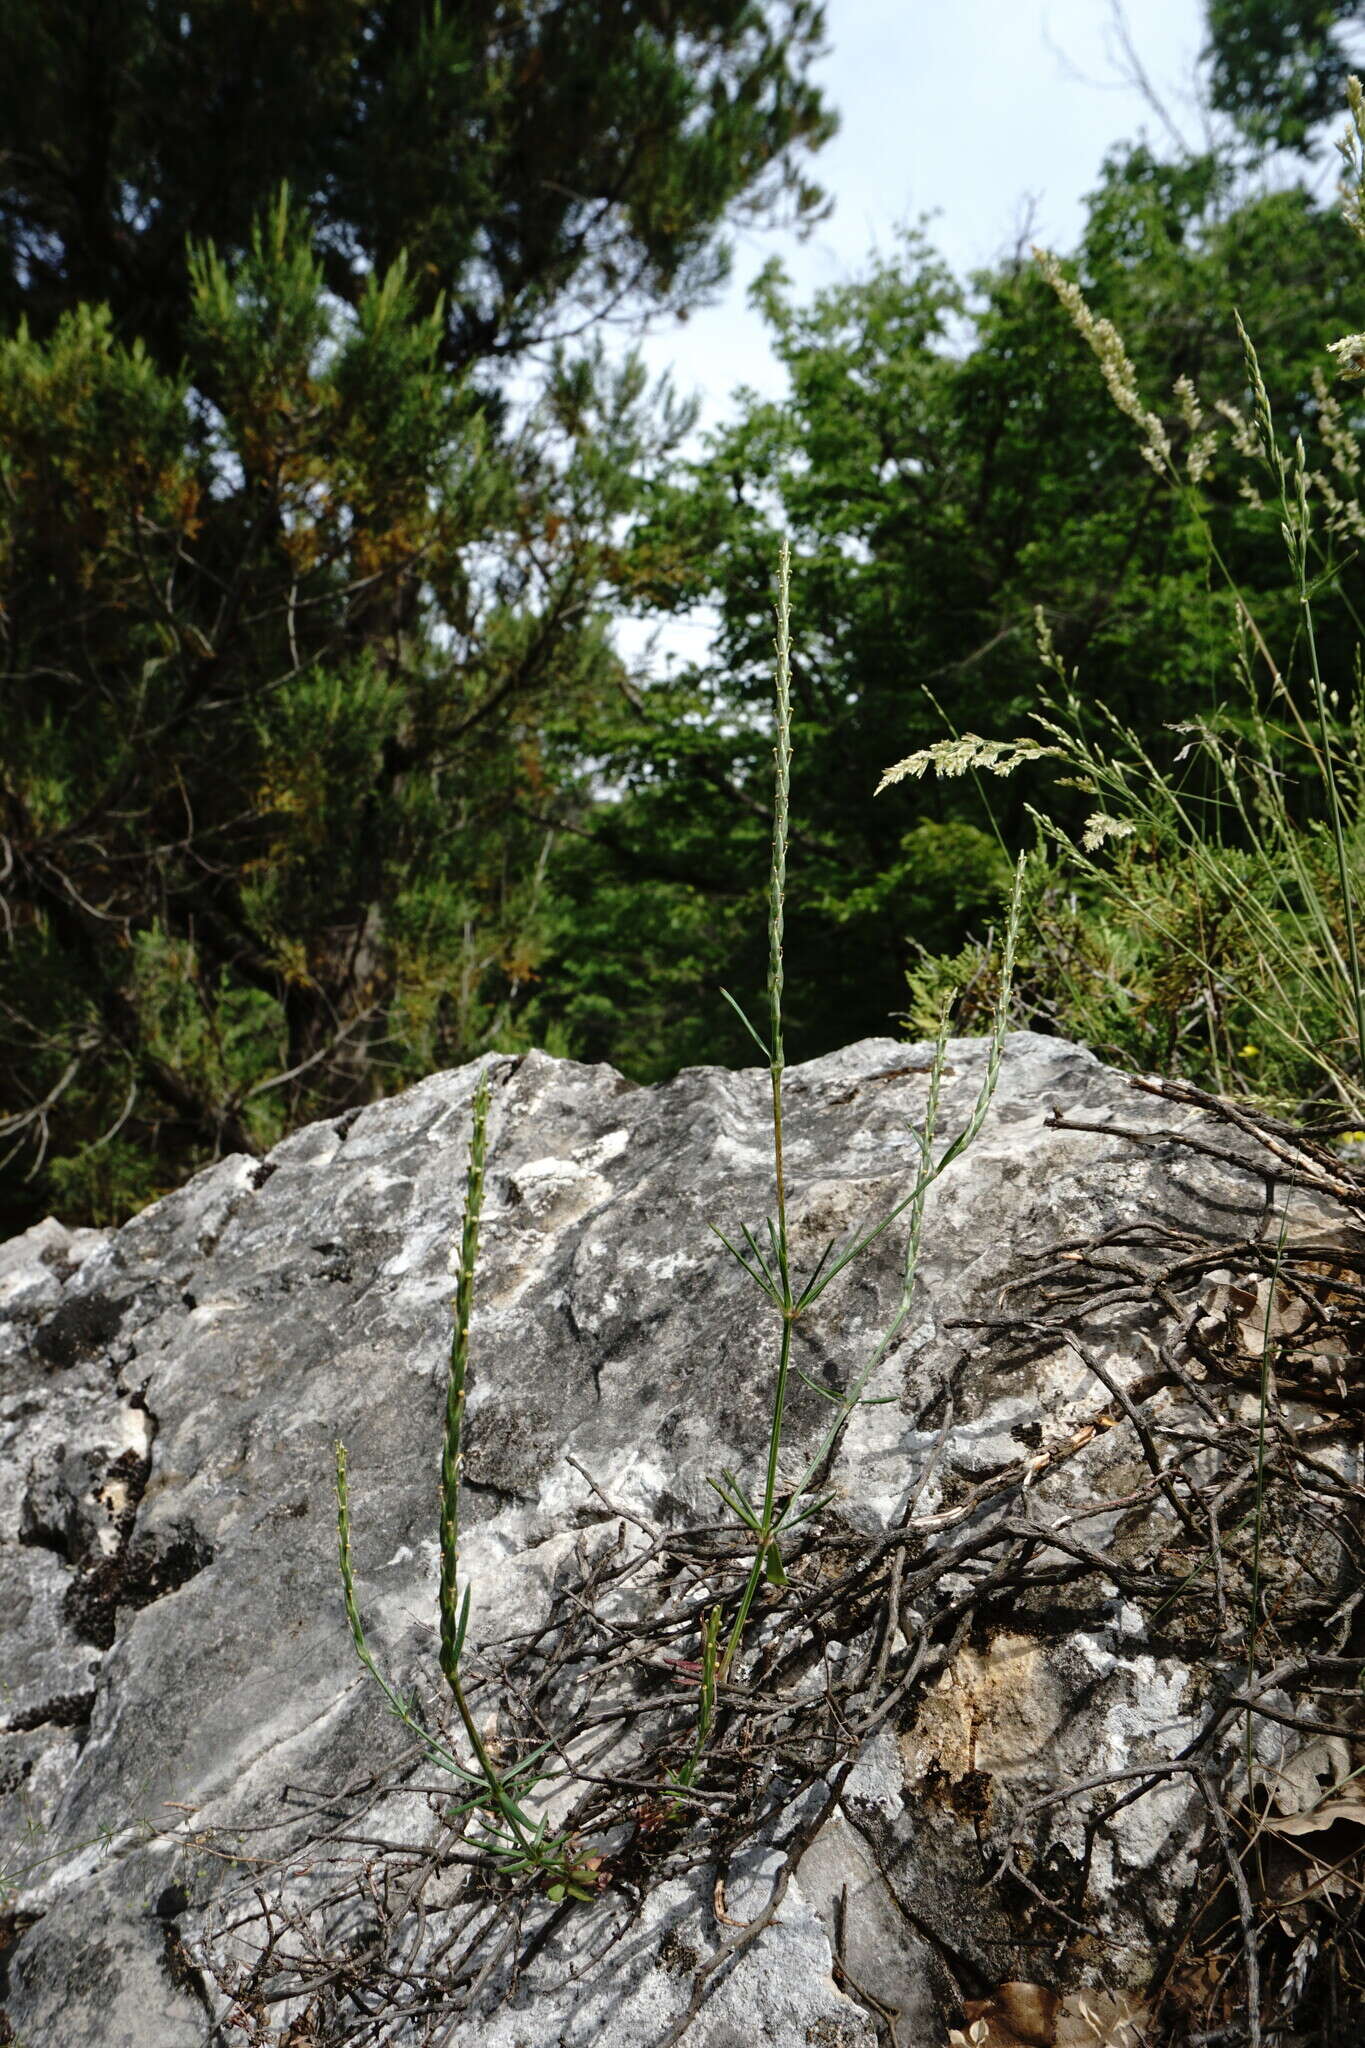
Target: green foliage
(517, 1845)
(321, 768)
(1278, 67)
(303, 618)
(1162, 966)
(234, 745)
(945, 459)
(537, 165)
(1215, 931)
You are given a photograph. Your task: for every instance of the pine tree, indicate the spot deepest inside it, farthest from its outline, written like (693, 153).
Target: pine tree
(304, 601)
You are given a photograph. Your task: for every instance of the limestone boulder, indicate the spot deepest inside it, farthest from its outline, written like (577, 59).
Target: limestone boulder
(176, 1665)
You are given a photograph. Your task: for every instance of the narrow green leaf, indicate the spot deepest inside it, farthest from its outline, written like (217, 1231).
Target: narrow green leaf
(737, 1508)
(767, 1055)
(462, 1628)
(824, 1392)
(740, 1260)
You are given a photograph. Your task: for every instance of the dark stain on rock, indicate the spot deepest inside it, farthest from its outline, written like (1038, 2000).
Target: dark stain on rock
(78, 1330)
(13, 1927)
(147, 1568)
(677, 1956)
(970, 1797)
(334, 1262)
(12, 1776)
(67, 1710)
(176, 1962)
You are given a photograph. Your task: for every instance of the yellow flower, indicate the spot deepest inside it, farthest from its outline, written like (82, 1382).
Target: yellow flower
(1250, 1052)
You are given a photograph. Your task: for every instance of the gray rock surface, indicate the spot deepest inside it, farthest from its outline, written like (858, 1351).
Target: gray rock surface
(175, 1653)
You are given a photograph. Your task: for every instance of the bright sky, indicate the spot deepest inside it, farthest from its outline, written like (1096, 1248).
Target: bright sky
(989, 114)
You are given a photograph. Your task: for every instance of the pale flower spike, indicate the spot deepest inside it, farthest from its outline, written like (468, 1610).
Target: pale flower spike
(960, 756)
(1115, 365)
(1352, 151)
(1350, 355)
(1099, 826)
(1339, 491)
(1350, 350)
(1203, 439)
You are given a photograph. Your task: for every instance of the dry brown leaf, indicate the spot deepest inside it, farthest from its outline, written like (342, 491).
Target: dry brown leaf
(1246, 1312)
(1030, 2012)
(1022, 2015)
(1102, 2019)
(1350, 1807)
(1299, 1784)
(1017, 2015)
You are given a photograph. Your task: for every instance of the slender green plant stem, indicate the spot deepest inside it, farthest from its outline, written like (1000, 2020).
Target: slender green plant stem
(710, 1668)
(768, 1523)
(773, 1523)
(454, 1614)
(551, 1856)
(767, 1559)
(777, 892)
(1258, 1508)
(930, 1171)
(767, 1562)
(398, 1705)
(1329, 767)
(486, 1779)
(452, 1453)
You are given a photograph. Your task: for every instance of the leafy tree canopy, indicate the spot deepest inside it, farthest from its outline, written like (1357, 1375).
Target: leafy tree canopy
(320, 765)
(1279, 67)
(302, 607)
(537, 164)
(946, 458)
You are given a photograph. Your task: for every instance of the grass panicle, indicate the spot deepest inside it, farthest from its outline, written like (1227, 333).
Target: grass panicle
(780, 1508)
(1237, 877)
